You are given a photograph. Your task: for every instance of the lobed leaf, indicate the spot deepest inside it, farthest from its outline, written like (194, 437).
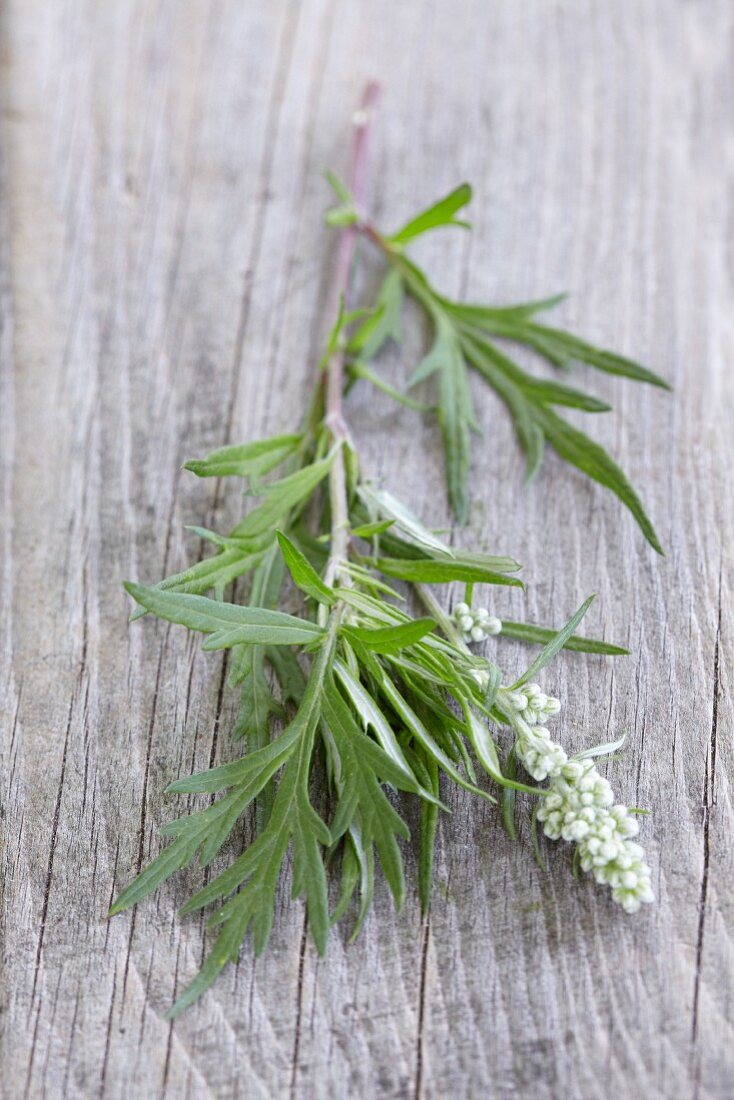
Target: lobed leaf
(229, 624)
(361, 793)
(385, 322)
(593, 460)
(372, 717)
(281, 497)
(581, 351)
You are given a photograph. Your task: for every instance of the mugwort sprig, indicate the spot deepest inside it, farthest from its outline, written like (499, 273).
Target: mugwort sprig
(354, 696)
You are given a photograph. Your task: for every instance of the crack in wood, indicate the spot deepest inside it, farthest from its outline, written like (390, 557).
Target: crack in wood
(299, 1007)
(419, 1064)
(708, 801)
(52, 852)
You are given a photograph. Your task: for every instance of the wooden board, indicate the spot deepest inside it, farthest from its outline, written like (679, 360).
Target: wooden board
(163, 266)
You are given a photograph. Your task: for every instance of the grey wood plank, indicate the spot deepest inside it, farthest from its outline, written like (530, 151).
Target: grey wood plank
(163, 268)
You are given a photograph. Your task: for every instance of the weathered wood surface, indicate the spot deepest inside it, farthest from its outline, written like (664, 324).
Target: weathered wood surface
(163, 265)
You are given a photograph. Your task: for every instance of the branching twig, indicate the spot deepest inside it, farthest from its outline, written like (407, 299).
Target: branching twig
(334, 419)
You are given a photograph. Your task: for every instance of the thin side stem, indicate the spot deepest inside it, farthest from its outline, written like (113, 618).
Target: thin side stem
(334, 419)
(446, 623)
(441, 616)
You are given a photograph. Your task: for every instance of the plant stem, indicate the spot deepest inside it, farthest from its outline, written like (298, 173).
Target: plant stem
(334, 419)
(442, 617)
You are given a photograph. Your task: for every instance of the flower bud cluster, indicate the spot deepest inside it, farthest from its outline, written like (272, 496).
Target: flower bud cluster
(580, 808)
(481, 676)
(532, 704)
(476, 625)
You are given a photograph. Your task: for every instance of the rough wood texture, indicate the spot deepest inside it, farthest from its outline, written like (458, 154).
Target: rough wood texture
(163, 265)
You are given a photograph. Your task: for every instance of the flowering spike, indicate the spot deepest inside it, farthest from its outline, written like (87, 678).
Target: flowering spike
(580, 806)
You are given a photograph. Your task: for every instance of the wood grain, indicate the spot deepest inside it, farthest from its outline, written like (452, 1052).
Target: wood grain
(163, 265)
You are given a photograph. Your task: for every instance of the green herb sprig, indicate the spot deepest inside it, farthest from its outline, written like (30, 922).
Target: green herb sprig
(465, 338)
(355, 696)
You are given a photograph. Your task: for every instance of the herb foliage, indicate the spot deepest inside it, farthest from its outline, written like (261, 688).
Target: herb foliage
(354, 704)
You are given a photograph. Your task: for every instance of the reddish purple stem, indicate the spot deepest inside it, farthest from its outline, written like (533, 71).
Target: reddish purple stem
(345, 254)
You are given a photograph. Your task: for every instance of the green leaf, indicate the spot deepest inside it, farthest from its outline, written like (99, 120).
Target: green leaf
(170, 860)
(538, 390)
(428, 830)
(362, 794)
(252, 767)
(558, 346)
(309, 874)
(486, 752)
(441, 213)
(385, 322)
(495, 563)
(529, 433)
(479, 314)
(421, 734)
(288, 672)
(438, 357)
(494, 684)
(281, 496)
(556, 643)
(528, 399)
(371, 606)
(509, 796)
(245, 459)
(541, 635)
(593, 460)
(381, 502)
(358, 872)
(256, 699)
(454, 408)
(534, 840)
(368, 530)
(216, 572)
(581, 351)
(339, 216)
(571, 444)
(226, 949)
(431, 571)
(229, 624)
(372, 718)
(397, 548)
(207, 829)
(601, 750)
(258, 868)
(456, 416)
(391, 639)
(339, 187)
(359, 369)
(349, 879)
(303, 573)
(267, 579)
